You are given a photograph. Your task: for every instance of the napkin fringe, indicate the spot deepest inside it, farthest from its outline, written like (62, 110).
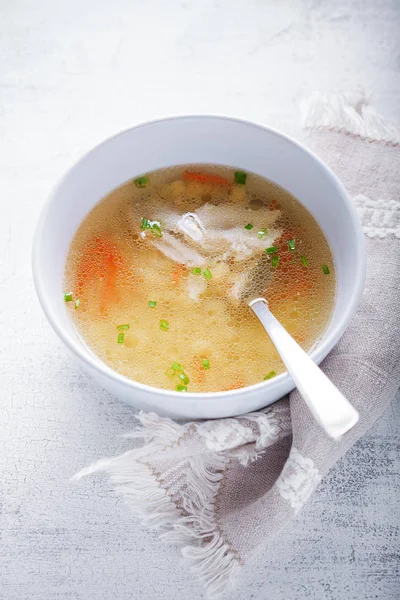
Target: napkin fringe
(198, 533)
(347, 113)
(212, 559)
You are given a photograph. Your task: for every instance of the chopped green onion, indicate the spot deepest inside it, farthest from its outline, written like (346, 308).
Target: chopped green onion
(271, 249)
(68, 296)
(152, 303)
(240, 177)
(196, 271)
(262, 233)
(249, 226)
(121, 337)
(304, 261)
(156, 229)
(325, 269)
(206, 363)
(170, 372)
(207, 274)
(141, 182)
(77, 303)
(181, 388)
(270, 375)
(177, 367)
(274, 261)
(184, 378)
(122, 327)
(292, 245)
(164, 325)
(153, 225)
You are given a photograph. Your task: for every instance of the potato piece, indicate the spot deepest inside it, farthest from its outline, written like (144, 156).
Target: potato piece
(196, 188)
(175, 192)
(131, 340)
(220, 270)
(196, 286)
(238, 193)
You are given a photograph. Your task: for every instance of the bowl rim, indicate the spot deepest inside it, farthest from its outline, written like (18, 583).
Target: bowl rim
(317, 354)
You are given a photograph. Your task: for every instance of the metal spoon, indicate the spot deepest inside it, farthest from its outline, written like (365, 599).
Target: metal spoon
(332, 411)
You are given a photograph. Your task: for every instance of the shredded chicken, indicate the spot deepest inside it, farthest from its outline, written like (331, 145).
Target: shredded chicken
(240, 282)
(191, 226)
(196, 286)
(177, 250)
(213, 234)
(214, 230)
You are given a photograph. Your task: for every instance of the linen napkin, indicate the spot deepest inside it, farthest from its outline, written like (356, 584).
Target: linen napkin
(221, 489)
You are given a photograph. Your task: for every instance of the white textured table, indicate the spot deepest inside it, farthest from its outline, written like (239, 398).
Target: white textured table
(72, 73)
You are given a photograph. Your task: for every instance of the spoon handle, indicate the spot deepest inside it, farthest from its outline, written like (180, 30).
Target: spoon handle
(332, 411)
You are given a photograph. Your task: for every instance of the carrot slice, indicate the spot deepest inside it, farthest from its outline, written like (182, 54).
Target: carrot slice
(205, 178)
(274, 205)
(89, 267)
(198, 369)
(99, 264)
(177, 273)
(110, 285)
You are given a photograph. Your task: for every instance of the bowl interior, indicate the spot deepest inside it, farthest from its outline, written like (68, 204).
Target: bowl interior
(199, 140)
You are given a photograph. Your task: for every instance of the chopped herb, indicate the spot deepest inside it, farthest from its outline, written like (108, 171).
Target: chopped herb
(274, 261)
(184, 378)
(122, 327)
(177, 367)
(325, 269)
(141, 182)
(154, 226)
(152, 303)
(207, 274)
(270, 375)
(292, 245)
(181, 388)
(206, 363)
(262, 233)
(121, 337)
(271, 249)
(293, 260)
(68, 296)
(240, 177)
(249, 226)
(304, 261)
(164, 325)
(77, 303)
(156, 229)
(196, 271)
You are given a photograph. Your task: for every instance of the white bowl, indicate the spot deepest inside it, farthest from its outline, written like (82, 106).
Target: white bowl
(197, 139)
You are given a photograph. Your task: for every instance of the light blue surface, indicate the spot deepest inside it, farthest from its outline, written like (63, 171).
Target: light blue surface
(71, 74)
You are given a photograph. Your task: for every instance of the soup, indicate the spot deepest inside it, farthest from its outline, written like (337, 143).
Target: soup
(159, 274)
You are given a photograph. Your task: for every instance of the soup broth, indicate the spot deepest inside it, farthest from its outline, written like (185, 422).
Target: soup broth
(159, 274)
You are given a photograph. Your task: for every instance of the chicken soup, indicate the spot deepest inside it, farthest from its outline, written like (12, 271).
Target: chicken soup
(159, 274)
